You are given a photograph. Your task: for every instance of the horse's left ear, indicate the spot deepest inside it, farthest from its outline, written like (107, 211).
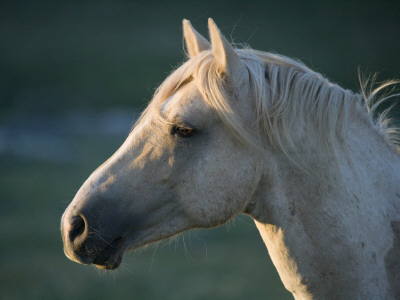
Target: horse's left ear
(195, 42)
(228, 61)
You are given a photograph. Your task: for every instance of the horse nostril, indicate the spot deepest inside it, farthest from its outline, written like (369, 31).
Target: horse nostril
(78, 226)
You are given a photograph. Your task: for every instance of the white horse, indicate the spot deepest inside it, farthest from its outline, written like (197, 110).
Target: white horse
(242, 131)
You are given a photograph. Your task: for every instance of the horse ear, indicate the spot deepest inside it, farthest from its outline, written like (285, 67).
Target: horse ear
(228, 61)
(195, 42)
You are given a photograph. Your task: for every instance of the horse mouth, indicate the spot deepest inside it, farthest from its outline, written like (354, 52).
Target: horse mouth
(110, 257)
(107, 258)
(107, 263)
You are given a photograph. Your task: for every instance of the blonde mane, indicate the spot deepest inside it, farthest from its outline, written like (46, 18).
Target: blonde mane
(289, 98)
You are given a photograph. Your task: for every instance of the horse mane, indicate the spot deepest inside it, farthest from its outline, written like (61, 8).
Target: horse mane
(289, 98)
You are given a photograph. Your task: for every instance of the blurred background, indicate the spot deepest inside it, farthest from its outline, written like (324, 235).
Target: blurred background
(74, 76)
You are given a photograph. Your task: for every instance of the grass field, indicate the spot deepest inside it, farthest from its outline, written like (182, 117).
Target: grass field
(67, 71)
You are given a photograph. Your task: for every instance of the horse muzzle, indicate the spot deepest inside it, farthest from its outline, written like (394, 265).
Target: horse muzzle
(85, 245)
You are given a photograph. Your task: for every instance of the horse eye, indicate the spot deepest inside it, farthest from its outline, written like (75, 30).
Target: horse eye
(184, 131)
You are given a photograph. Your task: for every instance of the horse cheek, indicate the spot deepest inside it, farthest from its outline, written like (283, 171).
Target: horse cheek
(218, 187)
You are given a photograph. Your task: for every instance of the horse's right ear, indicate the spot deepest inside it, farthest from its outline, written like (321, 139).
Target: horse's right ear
(195, 42)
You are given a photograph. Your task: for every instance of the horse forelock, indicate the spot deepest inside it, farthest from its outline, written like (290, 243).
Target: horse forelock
(285, 94)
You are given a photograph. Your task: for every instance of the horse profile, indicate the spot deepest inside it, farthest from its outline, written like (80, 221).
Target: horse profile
(243, 131)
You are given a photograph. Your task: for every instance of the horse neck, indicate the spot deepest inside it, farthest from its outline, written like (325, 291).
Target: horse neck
(330, 235)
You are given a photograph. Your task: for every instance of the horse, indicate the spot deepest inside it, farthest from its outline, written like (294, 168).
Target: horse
(241, 131)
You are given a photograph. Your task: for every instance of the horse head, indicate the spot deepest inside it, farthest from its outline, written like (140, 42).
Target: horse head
(181, 167)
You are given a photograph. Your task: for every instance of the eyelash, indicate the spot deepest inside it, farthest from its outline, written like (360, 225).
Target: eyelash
(184, 132)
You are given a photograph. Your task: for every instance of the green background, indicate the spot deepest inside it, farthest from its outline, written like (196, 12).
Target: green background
(73, 77)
